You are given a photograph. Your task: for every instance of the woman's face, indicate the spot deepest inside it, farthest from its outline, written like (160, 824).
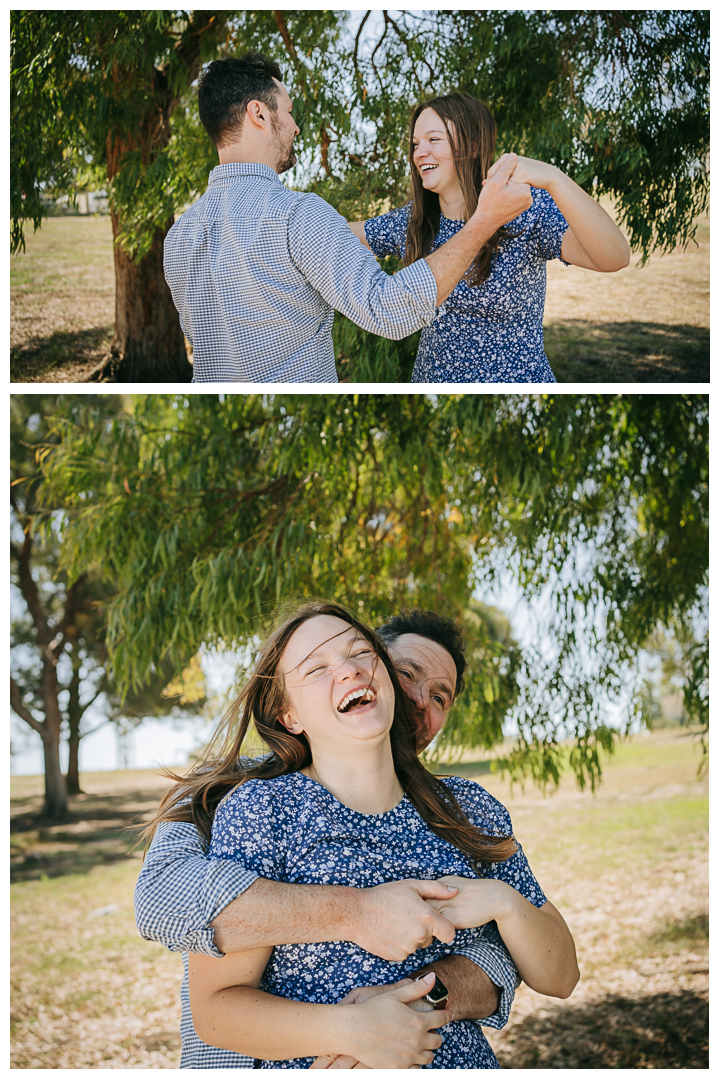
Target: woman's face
(432, 153)
(338, 691)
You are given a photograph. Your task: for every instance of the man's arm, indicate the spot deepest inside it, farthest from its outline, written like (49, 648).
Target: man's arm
(391, 920)
(347, 276)
(471, 994)
(190, 903)
(481, 979)
(180, 891)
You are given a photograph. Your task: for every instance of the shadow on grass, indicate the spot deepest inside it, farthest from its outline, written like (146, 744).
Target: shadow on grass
(584, 351)
(660, 1031)
(693, 930)
(42, 356)
(98, 831)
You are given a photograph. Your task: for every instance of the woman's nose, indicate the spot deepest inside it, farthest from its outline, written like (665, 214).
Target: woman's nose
(352, 666)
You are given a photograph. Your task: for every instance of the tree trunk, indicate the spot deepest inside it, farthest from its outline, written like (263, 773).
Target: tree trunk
(72, 777)
(55, 806)
(149, 345)
(74, 714)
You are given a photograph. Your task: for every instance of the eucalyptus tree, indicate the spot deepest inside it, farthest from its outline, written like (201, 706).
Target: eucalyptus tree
(618, 99)
(207, 511)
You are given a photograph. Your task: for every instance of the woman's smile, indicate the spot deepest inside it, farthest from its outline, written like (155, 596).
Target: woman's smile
(361, 699)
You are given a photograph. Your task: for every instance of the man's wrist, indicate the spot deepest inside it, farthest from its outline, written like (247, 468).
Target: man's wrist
(349, 908)
(480, 226)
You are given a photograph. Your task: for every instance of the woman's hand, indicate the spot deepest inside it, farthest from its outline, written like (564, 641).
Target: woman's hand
(383, 1032)
(537, 938)
(356, 997)
(529, 171)
(477, 901)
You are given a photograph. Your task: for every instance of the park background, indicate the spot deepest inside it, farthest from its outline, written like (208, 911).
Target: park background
(152, 535)
(105, 102)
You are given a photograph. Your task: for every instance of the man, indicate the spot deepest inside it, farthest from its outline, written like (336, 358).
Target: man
(192, 904)
(255, 270)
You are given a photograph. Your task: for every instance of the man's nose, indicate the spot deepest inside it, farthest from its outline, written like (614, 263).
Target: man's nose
(417, 695)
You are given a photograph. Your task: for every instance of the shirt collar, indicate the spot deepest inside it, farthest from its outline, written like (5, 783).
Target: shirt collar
(242, 168)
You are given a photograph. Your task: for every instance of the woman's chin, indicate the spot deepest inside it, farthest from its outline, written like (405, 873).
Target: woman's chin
(430, 181)
(367, 724)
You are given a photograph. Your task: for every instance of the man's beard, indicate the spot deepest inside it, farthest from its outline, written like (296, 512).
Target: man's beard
(284, 155)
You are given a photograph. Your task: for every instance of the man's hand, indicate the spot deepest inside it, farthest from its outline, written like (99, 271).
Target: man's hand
(393, 920)
(502, 197)
(391, 1034)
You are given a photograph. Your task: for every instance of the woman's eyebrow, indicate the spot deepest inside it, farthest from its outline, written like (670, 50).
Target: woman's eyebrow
(311, 658)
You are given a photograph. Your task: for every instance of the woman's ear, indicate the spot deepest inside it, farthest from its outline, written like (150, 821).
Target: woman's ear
(291, 723)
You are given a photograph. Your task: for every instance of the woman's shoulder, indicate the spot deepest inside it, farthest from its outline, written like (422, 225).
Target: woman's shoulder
(386, 233)
(482, 808)
(259, 794)
(397, 218)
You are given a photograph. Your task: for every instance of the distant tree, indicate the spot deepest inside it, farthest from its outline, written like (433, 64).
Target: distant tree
(58, 654)
(206, 511)
(618, 99)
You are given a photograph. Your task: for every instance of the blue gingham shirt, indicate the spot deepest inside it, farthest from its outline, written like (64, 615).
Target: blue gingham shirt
(255, 271)
(180, 892)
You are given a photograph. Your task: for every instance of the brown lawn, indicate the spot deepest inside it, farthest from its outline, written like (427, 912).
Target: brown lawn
(627, 867)
(648, 324)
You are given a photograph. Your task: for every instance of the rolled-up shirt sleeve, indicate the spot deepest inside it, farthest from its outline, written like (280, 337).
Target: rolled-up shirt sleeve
(348, 277)
(180, 891)
(490, 953)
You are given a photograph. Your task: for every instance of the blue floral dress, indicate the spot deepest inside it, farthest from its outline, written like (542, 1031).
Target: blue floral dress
(490, 332)
(292, 829)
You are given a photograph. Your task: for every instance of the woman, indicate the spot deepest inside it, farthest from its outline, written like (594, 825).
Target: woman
(490, 327)
(343, 799)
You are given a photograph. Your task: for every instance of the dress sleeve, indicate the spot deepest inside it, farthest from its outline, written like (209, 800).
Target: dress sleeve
(491, 817)
(386, 234)
(550, 225)
(180, 891)
(247, 830)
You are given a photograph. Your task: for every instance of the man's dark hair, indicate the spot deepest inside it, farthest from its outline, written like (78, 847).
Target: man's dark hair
(227, 87)
(436, 628)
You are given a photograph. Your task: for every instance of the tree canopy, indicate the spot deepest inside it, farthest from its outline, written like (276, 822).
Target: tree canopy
(618, 99)
(206, 511)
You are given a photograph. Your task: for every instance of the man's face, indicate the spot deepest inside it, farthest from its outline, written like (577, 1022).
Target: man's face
(284, 131)
(428, 675)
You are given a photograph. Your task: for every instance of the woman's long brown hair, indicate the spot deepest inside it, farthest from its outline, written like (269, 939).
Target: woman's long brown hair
(472, 140)
(262, 701)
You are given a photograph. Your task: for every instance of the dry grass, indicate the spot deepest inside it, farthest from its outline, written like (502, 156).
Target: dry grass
(644, 324)
(627, 867)
(641, 325)
(62, 296)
